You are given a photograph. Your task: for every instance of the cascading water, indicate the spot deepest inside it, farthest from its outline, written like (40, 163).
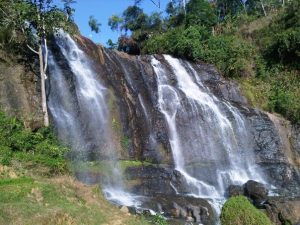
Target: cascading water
(81, 116)
(163, 105)
(209, 150)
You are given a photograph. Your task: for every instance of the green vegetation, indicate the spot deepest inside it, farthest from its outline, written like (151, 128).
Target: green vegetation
(28, 24)
(158, 219)
(125, 143)
(94, 25)
(105, 167)
(31, 192)
(254, 42)
(60, 200)
(40, 148)
(239, 211)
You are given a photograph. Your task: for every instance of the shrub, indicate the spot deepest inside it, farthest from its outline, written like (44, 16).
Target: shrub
(286, 48)
(158, 219)
(285, 95)
(239, 211)
(233, 56)
(40, 147)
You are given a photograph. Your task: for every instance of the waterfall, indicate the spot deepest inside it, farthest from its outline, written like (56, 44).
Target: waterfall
(80, 114)
(210, 150)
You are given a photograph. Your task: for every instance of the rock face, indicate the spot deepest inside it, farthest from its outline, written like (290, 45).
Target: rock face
(283, 210)
(19, 92)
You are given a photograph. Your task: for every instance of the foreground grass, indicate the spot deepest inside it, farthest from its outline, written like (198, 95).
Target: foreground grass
(57, 200)
(35, 187)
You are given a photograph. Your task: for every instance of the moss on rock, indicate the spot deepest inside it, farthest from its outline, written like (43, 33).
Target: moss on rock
(239, 211)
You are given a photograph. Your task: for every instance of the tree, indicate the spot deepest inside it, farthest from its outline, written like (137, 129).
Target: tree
(111, 44)
(155, 2)
(134, 18)
(68, 9)
(36, 20)
(115, 22)
(200, 12)
(94, 25)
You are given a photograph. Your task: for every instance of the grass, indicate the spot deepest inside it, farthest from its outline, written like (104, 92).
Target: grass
(56, 200)
(256, 92)
(35, 187)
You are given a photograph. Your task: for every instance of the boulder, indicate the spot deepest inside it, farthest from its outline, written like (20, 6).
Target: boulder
(256, 192)
(124, 209)
(235, 190)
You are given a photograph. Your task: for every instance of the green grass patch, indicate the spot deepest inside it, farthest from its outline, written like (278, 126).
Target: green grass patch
(21, 180)
(61, 200)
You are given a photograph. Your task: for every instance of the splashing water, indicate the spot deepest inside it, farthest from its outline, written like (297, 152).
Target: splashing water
(209, 150)
(77, 102)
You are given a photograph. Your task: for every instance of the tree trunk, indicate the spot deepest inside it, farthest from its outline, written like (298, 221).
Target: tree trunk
(263, 7)
(43, 87)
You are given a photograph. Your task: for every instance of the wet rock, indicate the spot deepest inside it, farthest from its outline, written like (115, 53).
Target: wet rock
(182, 207)
(154, 180)
(235, 190)
(256, 192)
(283, 210)
(295, 138)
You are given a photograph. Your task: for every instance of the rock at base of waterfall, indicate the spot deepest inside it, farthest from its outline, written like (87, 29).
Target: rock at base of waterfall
(256, 192)
(283, 210)
(189, 219)
(124, 209)
(235, 190)
(182, 207)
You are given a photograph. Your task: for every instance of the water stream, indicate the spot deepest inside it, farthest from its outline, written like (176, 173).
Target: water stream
(82, 117)
(208, 149)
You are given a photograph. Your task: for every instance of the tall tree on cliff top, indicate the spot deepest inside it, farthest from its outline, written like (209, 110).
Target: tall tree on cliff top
(36, 20)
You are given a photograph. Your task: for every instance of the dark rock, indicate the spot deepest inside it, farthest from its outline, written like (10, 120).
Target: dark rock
(256, 192)
(235, 190)
(182, 207)
(155, 180)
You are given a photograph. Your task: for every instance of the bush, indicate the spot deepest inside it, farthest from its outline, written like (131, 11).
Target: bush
(40, 147)
(239, 211)
(286, 48)
(285, 95)
(233, 56)
(158, 219)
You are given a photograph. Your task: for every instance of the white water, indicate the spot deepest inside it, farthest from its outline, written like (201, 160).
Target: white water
(82, 116)
(122, 198)
(209, 139)
(210, 150)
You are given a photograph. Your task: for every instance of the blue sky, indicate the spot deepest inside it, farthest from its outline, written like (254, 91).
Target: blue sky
(102, 10)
